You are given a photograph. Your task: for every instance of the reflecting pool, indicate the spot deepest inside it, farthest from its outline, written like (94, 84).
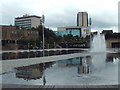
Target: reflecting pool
(97, 69)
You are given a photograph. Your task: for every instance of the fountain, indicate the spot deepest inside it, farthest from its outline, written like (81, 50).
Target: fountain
(98, 43)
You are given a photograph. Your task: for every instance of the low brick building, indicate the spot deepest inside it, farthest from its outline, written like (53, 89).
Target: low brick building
(113, 43)
(112, 39)
(12, 34)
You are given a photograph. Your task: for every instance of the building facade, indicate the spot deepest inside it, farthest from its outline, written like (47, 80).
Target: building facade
(82, 29)
(66, 32)
(74, 30)
(28, 22)
(82, 19)
(113, 43)
(13, 34)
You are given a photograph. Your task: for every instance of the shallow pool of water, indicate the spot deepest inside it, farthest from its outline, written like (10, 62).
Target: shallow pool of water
(98, 69)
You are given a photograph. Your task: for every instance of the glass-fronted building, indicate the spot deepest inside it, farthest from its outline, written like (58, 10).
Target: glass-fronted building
(74, 32)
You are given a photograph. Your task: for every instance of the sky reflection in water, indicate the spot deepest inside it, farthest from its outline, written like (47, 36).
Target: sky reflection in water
(98, 69)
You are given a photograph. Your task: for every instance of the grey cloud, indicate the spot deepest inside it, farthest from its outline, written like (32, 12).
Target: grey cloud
(57, 20)
(105, 20)
(69, 18)
(102, 24)
(66, 17)
(12, 10)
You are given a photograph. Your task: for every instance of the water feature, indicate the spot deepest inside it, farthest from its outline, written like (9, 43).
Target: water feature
(98, 43)
(74, 71)
(94, 69)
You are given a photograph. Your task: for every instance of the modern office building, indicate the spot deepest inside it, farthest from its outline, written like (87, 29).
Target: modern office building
(28, 22)
(82, 19)
(73, 30)
(82, 29)
(66, 32)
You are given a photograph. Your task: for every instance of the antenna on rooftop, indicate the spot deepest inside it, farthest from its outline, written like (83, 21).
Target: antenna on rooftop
(90, 21)
(25, 15)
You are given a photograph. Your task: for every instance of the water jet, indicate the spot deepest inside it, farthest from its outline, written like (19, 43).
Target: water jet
(98, 43)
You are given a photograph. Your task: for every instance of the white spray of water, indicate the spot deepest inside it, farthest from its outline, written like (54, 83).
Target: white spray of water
(98, 47)
(98, 44)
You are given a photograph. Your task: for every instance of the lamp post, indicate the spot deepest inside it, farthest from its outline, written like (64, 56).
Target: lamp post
(35, 48)
(43, 20)
(48, 48)
(28, 50)
(16, 45)
(90, 23)
(54, 45)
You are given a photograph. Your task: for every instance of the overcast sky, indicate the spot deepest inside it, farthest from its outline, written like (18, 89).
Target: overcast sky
(104, 13)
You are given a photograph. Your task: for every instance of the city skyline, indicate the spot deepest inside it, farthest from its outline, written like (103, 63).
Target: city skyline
(104, 13)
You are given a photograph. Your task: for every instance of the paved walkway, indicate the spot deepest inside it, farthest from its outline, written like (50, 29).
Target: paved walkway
(55, 86)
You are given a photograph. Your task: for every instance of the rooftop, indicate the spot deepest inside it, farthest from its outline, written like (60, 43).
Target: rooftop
(27, 16)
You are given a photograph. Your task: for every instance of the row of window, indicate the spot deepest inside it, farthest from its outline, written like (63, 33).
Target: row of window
(66, 32)
(15, 32)
(27, 20)
(24, 23)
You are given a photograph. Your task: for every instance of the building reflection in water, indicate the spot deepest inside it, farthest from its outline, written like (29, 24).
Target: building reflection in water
(111, 57)
(32, 72)
(34, 54)
(83, 64)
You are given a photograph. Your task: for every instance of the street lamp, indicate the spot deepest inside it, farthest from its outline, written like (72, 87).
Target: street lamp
(54, 45)
(90, 23)
(16, 43)
(43, 20)
(28, 50)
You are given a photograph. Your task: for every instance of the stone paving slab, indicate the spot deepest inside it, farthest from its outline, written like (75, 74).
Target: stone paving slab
(58, 86)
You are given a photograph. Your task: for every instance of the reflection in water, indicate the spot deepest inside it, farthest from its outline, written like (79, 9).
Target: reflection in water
(32, 71)
(95, 67)
(33, 54)
(85, 66)
(44, 79)
(112, 57)
(29, 72)
(98, 61)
